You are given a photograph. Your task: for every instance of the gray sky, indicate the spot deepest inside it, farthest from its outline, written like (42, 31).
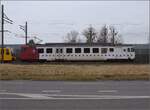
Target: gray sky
(51, 20)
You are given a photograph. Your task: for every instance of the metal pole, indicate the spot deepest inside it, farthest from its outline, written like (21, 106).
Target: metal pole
(26, 33)
(113, 35)
(2, 51)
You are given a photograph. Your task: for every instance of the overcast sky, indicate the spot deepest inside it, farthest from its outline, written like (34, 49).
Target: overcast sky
(51, 20)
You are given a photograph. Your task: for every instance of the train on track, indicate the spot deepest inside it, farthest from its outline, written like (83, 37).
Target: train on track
(77, 52)
(8, 55)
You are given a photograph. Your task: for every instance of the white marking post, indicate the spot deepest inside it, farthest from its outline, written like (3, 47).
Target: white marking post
(3, 90)
(51, 91)
(107, 91)
(27, 96)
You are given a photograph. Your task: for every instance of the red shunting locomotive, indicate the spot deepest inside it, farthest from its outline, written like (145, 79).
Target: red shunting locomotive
(29, 53)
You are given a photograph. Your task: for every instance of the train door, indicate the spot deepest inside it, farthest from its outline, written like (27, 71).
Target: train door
(59, 54)
(118, 53)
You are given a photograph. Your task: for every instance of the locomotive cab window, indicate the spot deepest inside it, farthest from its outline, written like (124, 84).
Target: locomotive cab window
(86, 50)
(69, 50)
(23, 49)
(40, 50)
(77, 50)
(111, 49)
(49, 50)
(104, 50)
(1, 51)
(95, 50)
(7, 51)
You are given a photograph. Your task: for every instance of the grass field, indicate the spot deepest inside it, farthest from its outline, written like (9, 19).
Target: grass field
(74, 72)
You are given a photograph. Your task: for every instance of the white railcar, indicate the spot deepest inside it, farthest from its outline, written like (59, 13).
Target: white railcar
(85, 52)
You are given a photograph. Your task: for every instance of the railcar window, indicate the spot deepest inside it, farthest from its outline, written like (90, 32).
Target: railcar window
(49, 50)
(77, 50)
(61, 50)
(69, 50)
(104, 50)
(132, 49)
(111, 49)
(57, 50)
(86, 50)
(95, 50)
(40, 50)
(124, 50)
(128, 49)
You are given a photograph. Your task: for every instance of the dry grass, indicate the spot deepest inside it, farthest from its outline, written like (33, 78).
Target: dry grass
(74, 72)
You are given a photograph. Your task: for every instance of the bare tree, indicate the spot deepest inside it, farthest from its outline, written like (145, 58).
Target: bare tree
(109, 34)
(72, 37)
(119, 39)
(102, 36)
(90, 34)
(116, 38)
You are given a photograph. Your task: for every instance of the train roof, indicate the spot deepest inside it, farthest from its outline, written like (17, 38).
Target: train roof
(80, 44)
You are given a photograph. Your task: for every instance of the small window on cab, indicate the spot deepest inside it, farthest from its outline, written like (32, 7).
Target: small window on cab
(86, 50)
(7, 51)
(104, 50)
(95, 50)
(111, 49)
(49, 50)
(1, 51)
(40, 50)
(23, 49)
(77, 50)
(69, 50)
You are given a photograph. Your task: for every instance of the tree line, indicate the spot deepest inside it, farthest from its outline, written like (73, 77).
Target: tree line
(107, 34)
